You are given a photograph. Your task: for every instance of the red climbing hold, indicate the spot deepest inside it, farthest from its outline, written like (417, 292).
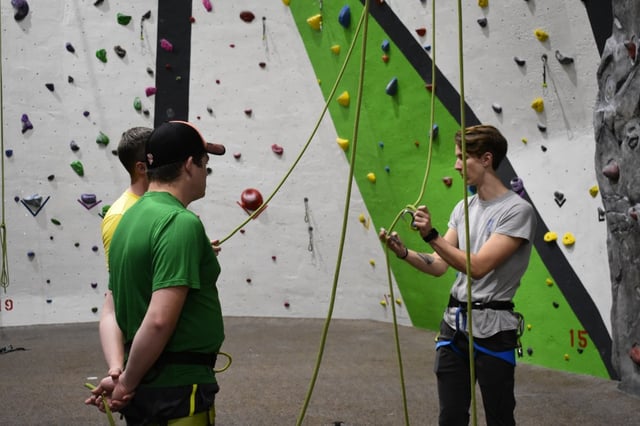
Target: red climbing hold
(277, 149)
(247, 16)
(421, 31)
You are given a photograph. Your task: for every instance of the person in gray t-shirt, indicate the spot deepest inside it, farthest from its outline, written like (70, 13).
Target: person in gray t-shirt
(501, 231)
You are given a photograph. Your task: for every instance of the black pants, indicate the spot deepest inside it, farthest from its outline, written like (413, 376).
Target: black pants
(495, 377)
(157, 405)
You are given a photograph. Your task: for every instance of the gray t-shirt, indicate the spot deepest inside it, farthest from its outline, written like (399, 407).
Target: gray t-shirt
(508, 215)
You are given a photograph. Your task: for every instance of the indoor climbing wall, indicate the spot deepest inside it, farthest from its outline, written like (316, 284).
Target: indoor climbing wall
(532, 75)
(76, 74)
(256, 79)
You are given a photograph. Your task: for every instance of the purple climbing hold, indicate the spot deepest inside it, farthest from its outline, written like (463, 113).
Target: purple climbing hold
(21, 9)
(26, 124)
(94, 248)
(518, 186)
(88, 198)
(94, 285)
(86, 113)
(612, 171)
(70, 48)
(149, 91)
(207, 5)
(166, 45)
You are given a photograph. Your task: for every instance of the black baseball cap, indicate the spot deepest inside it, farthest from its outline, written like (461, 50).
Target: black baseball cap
(174, 141)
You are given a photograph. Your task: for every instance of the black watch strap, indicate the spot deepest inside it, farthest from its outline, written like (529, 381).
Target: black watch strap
(431, 235)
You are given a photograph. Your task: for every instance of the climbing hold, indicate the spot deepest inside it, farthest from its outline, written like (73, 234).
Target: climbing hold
(496, 108)
(601, 214)
(150, 71)
(55, 221)
(364, 220)
(344, 99)
(94, 249)
(383, 302)
(315, 22)
(250, 199)
(566, 357)
(69, 79)
(344, 18)
(543, 129)
(421, 31)
(612, 171)
(392, 87)
(8, 153)
(123, 19)
(372, 177)
(287, 305)
(518, 186)
(416, 143)
(120, 51)
(166, 45)
(634, 353)
(262, 64)
(372, 262)
(524, 140)
(247, 16)
(556, 305)
(564, 60)
(102, 139)
(593, 191)
(50, 178)
(207, 5)
(248, 112)
(483, 3)
(568, 239)
(86, 113)
(429, 87)
(633, 213)
(137, 104)
(529, 351)
(538, 104)
(381, 144)
(286, 2)
(344, 143)
(237, 155)
(21, 9)
(427, 47)
(385, 58)
(70, 48)
(101, 54)
(94, 285)
(482, 22)
(31, 254)
(50, 86)
(26, 124)
(550, 237)
(519, 61)
(387, 169)
(78, 168)
(385, 46)
(529, 327)
(541, 34)
(549, 282)
(559, 198)
(448, 181)
(94, 309)
(277, 149)
(74, 146)
(335, 49)
(435, 130)
(150, 91)
(631, 49)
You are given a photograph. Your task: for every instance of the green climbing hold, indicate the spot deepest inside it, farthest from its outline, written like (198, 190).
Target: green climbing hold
(105, 209)
(137, 104)
(102, 139)
(55, 221)
(123, 19)
(78, 168)
(102, 55)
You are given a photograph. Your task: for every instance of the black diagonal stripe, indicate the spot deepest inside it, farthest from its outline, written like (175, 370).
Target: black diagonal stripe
(600, 14)
(172, 68)
(553, 258)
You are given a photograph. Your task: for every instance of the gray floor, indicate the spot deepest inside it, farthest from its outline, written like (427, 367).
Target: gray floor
(273, 361)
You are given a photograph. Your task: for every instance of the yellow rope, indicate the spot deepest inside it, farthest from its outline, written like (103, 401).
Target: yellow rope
(363, 20)
(463, 147)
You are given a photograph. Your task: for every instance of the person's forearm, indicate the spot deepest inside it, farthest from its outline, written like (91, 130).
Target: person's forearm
(425, 262)
(111, 338)
(453, 256)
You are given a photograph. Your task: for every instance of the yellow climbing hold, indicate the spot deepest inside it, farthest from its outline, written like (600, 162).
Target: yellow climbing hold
(550, 236)
(524, 140)
(593, 190)
(383, 302)
(483, 3)
(335, 49)
(541, 34)
(344, 143)
(286, 2)
(529, 327)
(566, 357)
(399, 301)
(372, 262)
(315, 22)
(538, 104)
(372, 177)
(568, 239)
(344, 99)
(549, 282)
(364, 220)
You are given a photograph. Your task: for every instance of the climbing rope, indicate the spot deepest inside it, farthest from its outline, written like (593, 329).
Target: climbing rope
(362, 23)
(463, 148)
(4, 274)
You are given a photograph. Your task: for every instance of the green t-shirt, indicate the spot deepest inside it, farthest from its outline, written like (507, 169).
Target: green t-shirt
(160, 244)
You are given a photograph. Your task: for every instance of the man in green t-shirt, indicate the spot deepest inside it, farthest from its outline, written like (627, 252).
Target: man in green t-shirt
(162, 279)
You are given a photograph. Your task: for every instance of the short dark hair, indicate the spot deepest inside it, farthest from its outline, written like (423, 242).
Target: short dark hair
(484, 138)
(131, 147)
(170, 172)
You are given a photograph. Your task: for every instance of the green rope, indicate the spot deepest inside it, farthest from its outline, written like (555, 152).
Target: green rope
(107, 410)
(472, 369)
(363, 19)
(4, 274)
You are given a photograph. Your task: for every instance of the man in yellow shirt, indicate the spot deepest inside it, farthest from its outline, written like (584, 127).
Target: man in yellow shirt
(131, 152)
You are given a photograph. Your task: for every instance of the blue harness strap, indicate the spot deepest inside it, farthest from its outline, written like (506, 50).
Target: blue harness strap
(507, 356)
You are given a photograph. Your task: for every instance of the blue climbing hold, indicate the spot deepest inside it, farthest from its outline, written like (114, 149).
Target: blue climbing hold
(435, 130)
(392, 87)
(345, 16)
(9, 153)
(385, 45)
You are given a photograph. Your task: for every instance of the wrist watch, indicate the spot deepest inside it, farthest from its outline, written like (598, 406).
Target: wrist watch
(431, 235)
